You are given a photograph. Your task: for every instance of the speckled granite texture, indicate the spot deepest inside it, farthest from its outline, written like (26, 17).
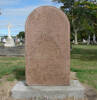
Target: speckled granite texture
(47, 47)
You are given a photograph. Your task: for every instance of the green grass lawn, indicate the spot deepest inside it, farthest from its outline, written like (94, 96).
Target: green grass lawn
(83, 62)
(12, 68)
(1, 44)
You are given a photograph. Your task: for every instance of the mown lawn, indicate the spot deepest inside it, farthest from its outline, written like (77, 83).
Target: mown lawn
(12, 68)
(83, 62)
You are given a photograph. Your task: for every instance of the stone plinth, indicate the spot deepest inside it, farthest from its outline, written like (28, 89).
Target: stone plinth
(47, 47)
(76, 90)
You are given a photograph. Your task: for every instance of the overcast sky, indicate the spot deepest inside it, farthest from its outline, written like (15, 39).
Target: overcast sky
(15, 12)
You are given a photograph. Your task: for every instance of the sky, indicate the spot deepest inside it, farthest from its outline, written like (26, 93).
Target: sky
(15, 12)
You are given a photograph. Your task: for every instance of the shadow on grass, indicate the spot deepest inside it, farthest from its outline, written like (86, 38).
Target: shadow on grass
(83, 70)
(84, 54)
(19, 73)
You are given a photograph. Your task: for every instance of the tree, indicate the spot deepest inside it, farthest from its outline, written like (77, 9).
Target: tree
(21, 35)
(82, 15)
(72, 9)
(90, 22)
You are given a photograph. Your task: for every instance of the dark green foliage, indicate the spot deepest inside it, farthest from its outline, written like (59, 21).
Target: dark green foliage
(82, 15)
(21, 35)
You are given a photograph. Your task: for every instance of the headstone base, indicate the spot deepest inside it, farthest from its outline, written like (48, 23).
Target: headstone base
(22, 91)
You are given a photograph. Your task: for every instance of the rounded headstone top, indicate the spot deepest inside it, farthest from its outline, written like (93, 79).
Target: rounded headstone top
(47, 14)
(43, 9)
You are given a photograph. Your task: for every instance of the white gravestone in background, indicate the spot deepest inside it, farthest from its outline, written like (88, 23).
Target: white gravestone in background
(9, 41)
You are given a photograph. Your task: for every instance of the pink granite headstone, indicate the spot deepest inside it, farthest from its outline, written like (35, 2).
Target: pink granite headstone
(47, 47)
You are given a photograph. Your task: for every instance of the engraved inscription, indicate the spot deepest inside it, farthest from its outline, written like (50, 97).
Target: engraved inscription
(46, 48)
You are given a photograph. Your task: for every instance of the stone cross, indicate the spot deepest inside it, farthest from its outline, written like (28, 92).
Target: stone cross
(47, 47)
(9, 33)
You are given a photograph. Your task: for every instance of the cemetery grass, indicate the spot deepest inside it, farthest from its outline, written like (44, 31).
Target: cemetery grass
(83, 62)
(1, 44)
(12, 68)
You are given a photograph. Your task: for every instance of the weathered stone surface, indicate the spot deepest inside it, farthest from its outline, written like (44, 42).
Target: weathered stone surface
(47, 47)
(76, 90)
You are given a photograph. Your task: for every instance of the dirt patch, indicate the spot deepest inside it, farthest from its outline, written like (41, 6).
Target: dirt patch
(73, 76)
(90, 93)
(5, 88)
